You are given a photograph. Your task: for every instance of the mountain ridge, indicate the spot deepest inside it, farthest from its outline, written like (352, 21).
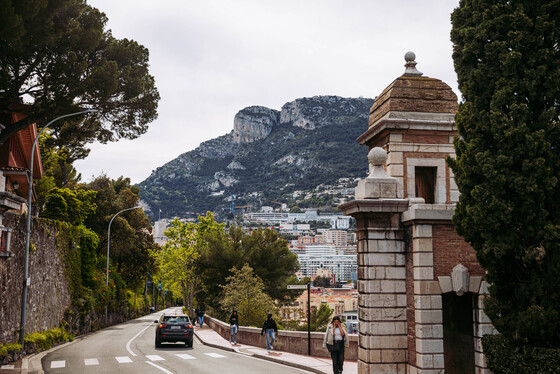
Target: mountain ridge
(267, 156)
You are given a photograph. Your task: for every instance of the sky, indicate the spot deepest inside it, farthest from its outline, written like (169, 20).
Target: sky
(212, 58)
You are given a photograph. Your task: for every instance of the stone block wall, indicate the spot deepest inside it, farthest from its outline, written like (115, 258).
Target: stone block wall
(48, 296)
(287, 341)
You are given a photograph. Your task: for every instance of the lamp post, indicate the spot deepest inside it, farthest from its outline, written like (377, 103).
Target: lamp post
(26, 279)
(108, 246)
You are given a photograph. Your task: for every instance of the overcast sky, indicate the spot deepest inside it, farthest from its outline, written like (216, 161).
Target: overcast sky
(212, 58)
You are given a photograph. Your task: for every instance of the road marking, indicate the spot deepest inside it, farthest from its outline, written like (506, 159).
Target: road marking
(58, 364)
(91, 361)
(135, 336)
(7, 367)
(215, 355)
(155, 358)
(159, 367)
(123, 359)
(185, 356)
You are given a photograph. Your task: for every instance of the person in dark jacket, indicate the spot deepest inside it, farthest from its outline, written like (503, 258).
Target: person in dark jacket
(269, 327)
(199, 315)
(233, 326)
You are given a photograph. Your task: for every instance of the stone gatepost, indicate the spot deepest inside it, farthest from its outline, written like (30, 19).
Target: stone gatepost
(381, 270)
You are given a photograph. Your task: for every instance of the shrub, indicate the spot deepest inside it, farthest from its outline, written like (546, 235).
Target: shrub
(504, 357)
(40, 341)
(7, 349)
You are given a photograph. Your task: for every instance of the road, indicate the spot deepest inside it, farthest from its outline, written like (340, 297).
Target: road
(129, 348)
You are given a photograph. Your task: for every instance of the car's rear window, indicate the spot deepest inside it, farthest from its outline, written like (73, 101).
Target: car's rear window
(176, 319)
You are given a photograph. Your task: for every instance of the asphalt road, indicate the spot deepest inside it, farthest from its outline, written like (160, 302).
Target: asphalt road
(129, 348)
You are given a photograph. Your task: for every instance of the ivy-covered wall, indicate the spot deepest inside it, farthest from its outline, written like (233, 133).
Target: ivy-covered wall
(48, 296)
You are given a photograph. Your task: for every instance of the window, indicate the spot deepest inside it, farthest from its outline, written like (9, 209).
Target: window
(425, 183)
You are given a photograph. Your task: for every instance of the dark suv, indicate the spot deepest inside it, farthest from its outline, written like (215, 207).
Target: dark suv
(172, 328)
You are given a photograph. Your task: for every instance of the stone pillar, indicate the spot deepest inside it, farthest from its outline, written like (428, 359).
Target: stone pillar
(381, 270)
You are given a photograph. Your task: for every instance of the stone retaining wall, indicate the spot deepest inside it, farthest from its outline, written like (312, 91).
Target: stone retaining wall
(288, 341)
(48, 296)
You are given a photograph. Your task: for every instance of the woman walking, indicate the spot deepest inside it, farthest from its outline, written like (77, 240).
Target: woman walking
(335, 340)
(233, 326)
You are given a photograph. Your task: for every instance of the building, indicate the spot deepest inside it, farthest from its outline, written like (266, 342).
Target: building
(336, 237)
(421, 287)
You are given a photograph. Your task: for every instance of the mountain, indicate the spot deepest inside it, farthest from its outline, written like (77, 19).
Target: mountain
(269, 156)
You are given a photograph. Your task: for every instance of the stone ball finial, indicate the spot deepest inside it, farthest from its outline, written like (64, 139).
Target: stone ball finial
(409, 56)
(410, 65)
(377, 156)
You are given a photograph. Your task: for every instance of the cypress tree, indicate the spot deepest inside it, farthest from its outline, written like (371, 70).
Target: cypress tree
(507, 59)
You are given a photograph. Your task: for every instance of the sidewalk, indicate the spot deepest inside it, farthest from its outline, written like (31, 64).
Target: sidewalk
(320, 365)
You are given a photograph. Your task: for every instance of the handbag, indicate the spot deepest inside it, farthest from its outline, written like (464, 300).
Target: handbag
(333, 347)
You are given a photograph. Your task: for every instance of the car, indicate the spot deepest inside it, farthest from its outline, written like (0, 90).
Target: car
(174, 328)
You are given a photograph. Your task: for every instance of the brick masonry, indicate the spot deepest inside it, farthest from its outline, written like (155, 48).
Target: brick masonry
(401, 320)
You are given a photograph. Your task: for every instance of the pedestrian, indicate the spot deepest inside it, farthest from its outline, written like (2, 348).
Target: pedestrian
(199, 315)
(269, 327)
(233, 326)
(336, 338)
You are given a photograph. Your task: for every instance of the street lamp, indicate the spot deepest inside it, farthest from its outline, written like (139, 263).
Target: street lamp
(26, 279)
(108, 246)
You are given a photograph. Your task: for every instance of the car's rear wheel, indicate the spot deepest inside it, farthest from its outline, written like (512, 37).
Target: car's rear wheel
(158, 344)
(189, 343)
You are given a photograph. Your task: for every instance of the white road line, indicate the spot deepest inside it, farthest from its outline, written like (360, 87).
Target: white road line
(7, 367)
(130, 341)
(155, 358)
(91, 361)
(160, 368)
(185, 356)
(58, 364)
(215, 355)
(123, 359)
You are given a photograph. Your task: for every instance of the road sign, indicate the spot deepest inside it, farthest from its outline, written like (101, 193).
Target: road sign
(297, 286)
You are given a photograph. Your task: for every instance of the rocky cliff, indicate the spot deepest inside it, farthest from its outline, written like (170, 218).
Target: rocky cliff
(269, 153)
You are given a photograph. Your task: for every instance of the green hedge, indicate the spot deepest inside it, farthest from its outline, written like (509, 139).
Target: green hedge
(7, 349)
(40, 341)
(504, 357)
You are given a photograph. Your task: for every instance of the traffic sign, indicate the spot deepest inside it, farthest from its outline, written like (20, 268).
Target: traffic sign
(297, 286)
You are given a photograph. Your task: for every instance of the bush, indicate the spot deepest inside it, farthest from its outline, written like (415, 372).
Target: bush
(40, 341)
(6, 350)
(504, 357)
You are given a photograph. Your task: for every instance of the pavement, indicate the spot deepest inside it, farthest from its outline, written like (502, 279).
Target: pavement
(211, 338)
(319, 365)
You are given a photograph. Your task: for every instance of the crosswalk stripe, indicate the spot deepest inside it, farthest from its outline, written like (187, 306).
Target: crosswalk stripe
(58, 364)
(159, 367)
(91, 361)
(123, 359)
(215, 355)
(7, 367)
(154, 358)
(185, 356)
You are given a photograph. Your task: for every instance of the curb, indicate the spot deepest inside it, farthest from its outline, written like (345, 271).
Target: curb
(259, 356)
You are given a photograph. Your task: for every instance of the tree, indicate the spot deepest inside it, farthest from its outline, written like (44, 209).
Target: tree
(320, 318)
(507, 163)
(244, 292)
(322, 282)
(176, 260)
(131, 238)
(59, 56)
(263, 250)
(73, 206)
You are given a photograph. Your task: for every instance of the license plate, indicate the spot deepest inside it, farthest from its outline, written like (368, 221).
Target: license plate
(175, 327)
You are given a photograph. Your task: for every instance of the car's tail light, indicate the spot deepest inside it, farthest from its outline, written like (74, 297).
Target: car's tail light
(162, 325)
(188, 326)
